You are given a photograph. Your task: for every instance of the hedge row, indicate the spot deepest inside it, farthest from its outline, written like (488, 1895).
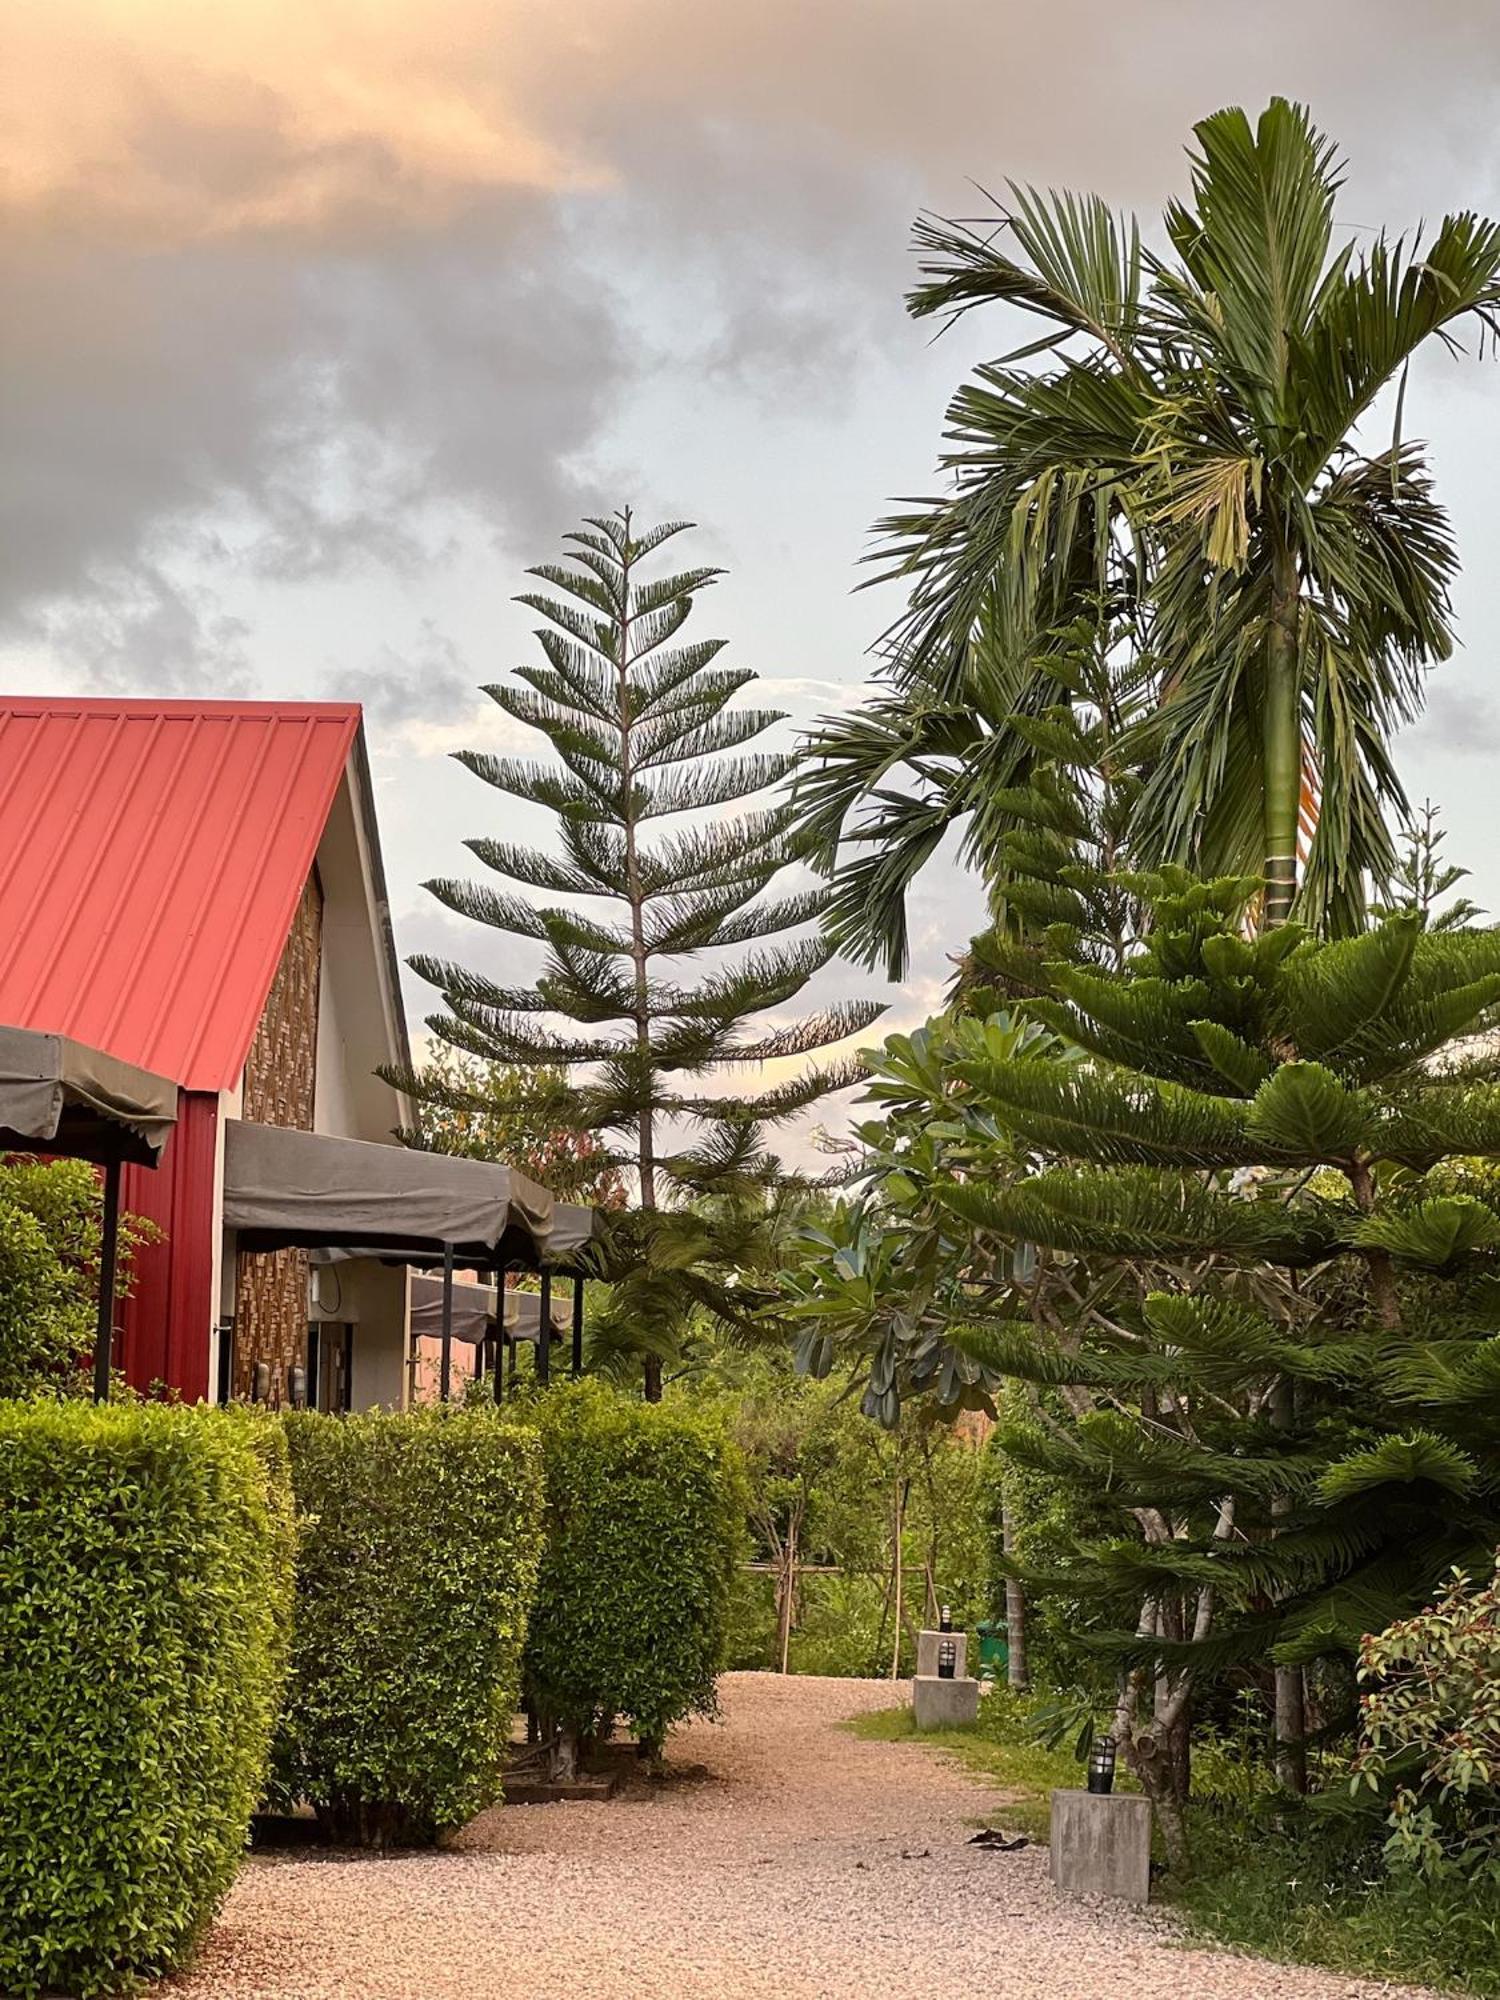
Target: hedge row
(644, 1518)
(419, 1540)
(145, 1580)
(148, 1635)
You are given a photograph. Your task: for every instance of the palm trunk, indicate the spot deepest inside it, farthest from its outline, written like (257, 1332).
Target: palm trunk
(1282, 740)
(1282, 808)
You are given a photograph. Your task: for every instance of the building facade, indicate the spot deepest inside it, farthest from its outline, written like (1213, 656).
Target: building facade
(196, 887)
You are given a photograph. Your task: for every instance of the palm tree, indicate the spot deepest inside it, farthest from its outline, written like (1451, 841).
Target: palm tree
(1186, 455)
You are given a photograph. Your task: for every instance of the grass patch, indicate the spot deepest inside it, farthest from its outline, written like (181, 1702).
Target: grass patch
(1299, 1896)
(997, 1747)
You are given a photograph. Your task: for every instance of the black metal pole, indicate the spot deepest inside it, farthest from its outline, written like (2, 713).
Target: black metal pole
(544, 1332)
(446, 1376)
(497, 1343)
(109, 1248)
(226, 1358)
(577, 1327)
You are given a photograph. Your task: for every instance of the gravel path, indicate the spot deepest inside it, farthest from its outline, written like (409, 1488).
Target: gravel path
(798, 1863)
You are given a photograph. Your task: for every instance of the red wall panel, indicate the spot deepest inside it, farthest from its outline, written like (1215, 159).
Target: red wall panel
(168, 1318)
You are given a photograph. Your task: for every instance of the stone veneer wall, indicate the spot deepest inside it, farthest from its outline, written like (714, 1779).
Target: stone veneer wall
(280, 1085)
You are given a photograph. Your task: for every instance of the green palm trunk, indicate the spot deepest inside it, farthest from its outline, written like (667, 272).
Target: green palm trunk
(1282, 739)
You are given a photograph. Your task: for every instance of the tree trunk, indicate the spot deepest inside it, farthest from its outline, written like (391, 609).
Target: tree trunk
(1282, 775)
(787, 1597)
(1281, 723)
(1291, 1718)
(1016, 1673)
(897, 1512)
(635, 892)
(562, 1762)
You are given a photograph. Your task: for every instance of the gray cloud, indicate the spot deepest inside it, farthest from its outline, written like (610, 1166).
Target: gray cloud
(1460, 720)
(267, 412)
(430, 677)
(138, 628)
(285, 335)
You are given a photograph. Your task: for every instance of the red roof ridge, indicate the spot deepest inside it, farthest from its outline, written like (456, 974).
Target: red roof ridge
(172, 705)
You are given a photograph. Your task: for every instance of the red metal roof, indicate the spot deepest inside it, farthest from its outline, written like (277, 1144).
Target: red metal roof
(151, 858)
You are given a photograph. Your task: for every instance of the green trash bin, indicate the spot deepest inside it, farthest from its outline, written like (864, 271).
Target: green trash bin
(994, 1650)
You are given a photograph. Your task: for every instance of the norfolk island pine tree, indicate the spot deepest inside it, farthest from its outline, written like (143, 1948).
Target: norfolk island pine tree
(641, 730)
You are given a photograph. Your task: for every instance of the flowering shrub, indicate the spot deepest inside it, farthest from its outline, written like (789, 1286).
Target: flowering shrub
(1431, 1731)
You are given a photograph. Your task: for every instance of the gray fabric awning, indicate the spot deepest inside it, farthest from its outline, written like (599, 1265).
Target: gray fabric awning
(523, 1316)
(287, 1189)
(572, 1227)
(475, 1308)
(60, 1096)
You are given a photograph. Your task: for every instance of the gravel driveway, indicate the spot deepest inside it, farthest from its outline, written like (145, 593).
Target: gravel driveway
(799, 1863)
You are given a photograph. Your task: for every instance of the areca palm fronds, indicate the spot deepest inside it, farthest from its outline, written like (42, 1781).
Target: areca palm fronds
(1183, 440)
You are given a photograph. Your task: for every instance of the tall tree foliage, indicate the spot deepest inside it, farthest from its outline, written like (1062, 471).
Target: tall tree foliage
(1242, 1247)
(482, 1111)
(1188, 447)
(642, 729)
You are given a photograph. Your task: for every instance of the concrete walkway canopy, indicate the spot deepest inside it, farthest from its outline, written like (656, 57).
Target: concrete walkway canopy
(59, 1096)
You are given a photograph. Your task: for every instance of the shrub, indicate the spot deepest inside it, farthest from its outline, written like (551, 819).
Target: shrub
(145, 1575)
(50, 1220)
(419, 1540)
(645, 1512)
(1430, 1734)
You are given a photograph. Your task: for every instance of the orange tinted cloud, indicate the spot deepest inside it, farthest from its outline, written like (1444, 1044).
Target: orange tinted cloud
(185, 119)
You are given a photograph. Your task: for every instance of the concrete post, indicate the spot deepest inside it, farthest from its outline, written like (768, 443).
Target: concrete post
(941, 1704)
(927, 1652)
(1101, 1844)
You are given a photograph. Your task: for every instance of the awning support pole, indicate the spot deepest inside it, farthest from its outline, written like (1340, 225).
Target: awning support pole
(109, 1247)
(577, 1327)
(544, 1333)
(501, 1343)
(446, 1376)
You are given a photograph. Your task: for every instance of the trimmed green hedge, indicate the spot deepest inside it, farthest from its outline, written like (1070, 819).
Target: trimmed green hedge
(145, 1579)
(645, 1514)
(419, 1536)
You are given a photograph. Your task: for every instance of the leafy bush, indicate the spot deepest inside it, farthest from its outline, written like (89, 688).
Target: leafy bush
(145, 1577)
(50, 1220)
(644, 1519)
(1299, 1882)
(1050, 1519)
(1431, 1732)
(419, 1540)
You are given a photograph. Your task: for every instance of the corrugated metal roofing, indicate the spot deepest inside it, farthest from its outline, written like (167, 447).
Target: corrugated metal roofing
(151, 858)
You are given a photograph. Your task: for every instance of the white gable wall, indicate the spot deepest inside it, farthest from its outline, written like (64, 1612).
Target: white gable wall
(359, 1019)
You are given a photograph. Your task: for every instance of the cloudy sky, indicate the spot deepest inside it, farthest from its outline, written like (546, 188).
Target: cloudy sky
(324, 317)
